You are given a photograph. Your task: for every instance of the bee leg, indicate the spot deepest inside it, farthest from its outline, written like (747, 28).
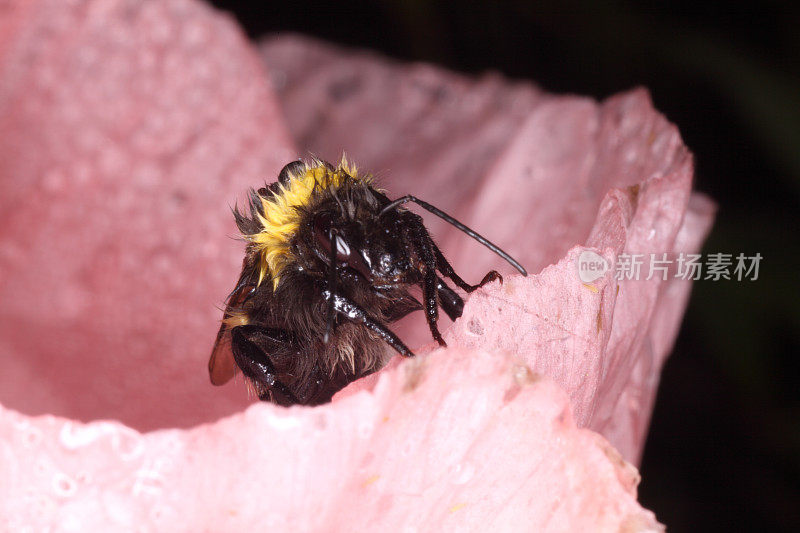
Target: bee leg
(444, 267)
(356, 314)
(430, 286)
(449, 300)
(418, 242)
(247, 345)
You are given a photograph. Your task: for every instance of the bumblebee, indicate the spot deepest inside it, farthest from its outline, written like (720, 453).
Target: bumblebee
(330, 261)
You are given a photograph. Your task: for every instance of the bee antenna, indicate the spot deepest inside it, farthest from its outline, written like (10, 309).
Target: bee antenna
(441, 214)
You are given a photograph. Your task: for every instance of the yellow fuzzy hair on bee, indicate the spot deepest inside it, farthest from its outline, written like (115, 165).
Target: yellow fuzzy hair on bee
(280, 220)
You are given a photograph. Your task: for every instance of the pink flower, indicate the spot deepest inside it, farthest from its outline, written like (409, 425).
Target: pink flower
(126, 129)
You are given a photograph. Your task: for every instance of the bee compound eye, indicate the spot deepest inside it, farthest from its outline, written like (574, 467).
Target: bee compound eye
(322, 233)
(322, 229)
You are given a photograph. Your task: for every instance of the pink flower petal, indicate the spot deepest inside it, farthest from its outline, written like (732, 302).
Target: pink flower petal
(403, 458)
(127, 126)
(537, 174)
(127, 130)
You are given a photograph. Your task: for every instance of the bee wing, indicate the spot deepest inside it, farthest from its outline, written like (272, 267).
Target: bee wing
(221, 365)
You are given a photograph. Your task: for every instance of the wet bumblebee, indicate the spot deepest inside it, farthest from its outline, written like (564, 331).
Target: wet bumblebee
(329, 263)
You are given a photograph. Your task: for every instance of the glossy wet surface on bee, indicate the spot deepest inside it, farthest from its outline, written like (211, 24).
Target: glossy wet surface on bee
(330, 262)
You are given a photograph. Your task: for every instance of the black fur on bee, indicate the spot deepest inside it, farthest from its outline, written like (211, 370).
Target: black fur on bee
(330, 261)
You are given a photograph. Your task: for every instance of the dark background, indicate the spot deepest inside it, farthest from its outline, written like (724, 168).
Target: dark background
(724, 446)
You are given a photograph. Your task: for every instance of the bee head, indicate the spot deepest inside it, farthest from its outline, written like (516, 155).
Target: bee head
(367, 245)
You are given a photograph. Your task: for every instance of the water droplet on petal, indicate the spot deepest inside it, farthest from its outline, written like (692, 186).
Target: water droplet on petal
(73, 436)
(32, 436)
(127, 443)
(462, 473)
(63, 485)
